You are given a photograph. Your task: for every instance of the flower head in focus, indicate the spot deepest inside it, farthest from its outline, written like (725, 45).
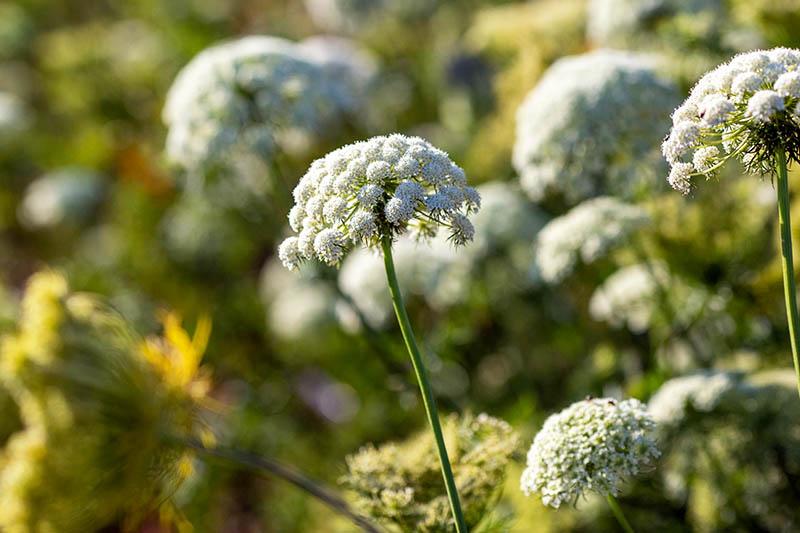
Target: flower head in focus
(592, 126)
(585, 233)
(376, 189)
(591, 446)
(400, 484)
(745, 109)
(100, 409)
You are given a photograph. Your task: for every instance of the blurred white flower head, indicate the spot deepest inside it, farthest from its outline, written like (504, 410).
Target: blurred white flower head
(593, 445)
(13, 114)
(252, 96)
(634, 295)
(376, 189)
(592, 126)
(298, 306)
(745, 109)
(67, 196)
(586, 233)
(701, 391)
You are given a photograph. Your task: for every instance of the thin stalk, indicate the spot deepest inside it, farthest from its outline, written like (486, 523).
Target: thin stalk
(787, 261)
(618, 514)
(289, 474)
(424, 384)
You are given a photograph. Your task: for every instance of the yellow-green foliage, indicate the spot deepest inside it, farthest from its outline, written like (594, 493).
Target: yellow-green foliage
(98, 415)
(778, 20)
(524, 38)
(400, 484)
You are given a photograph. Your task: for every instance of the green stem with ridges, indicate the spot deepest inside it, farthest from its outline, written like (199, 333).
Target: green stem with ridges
(787, 261)
(424, 384)
(618, 514)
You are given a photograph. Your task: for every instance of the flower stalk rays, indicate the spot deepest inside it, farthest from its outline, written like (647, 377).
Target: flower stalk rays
(749, 110)
(368, 193)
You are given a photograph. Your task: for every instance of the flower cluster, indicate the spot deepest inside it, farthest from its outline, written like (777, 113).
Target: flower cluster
(593, 445)
(746, 109)
(342, 58)
(95, 402)
(592, 126)
(400, 484)
(375, 189)
(253, 96)
(586, 233)
(729, 444)
(504, 228)
(633, 296)
(701, 392)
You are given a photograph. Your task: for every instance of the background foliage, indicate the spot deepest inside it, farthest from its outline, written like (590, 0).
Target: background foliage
(308, 369)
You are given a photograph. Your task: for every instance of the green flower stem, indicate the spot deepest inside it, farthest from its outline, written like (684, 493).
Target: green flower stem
(424, 384)
(787, 262)
(618, 514)
(289, 474)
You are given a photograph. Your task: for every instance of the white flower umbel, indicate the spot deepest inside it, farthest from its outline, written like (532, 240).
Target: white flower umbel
(441, 274)
(377, 189)
(246, 96)
(745, 110)
(586, 233)
(368, 193)
(740, 110)
(594, 445)
(592, 126)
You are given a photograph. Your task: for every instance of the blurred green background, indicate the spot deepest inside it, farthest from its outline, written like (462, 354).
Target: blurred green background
(311, 367)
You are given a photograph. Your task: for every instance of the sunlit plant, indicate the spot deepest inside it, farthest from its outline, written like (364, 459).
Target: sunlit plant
(583, 235)
(397, 482)
(111, 422)
(747, 110)
(368, 193)
(593, 445)
(591, 127)
(100, 410)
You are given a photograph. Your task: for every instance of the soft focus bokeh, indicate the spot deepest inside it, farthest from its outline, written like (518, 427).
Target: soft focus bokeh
(588, 276)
